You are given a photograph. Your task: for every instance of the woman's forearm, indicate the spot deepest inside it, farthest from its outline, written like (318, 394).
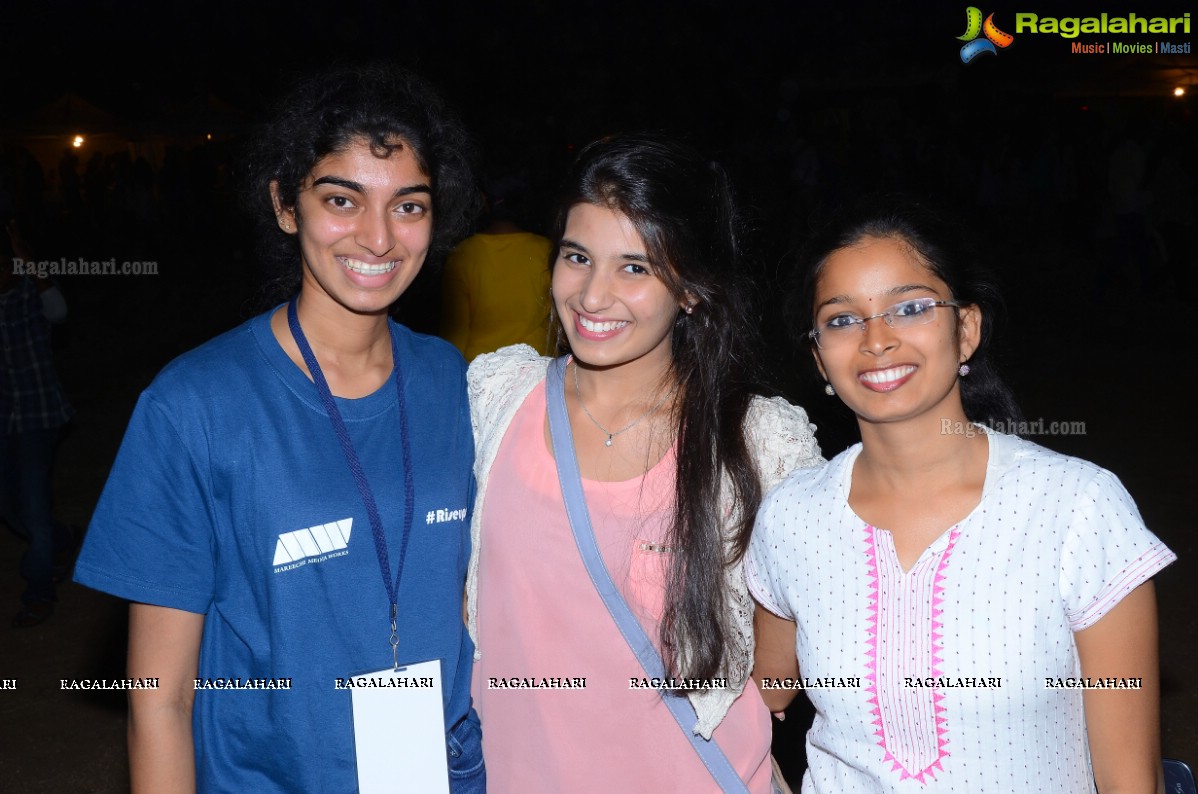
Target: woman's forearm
(164, 644)
(161, 749)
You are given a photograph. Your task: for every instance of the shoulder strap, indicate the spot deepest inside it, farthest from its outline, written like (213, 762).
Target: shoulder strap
(580, 523)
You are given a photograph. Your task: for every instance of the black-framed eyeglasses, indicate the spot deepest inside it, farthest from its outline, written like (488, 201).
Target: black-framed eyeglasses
(846, 327)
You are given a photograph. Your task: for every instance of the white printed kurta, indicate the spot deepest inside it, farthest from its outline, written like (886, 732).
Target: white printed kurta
(958, 659)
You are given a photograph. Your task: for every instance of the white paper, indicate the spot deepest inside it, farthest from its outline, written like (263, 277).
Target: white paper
(399, 731)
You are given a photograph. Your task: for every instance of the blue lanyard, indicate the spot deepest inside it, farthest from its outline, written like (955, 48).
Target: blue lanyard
(355, 466)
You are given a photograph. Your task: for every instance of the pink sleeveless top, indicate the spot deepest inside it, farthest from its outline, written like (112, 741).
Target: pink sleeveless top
(559, 692)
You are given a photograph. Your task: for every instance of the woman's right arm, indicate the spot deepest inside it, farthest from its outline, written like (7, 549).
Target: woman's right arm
(164, 643)
(774, 657)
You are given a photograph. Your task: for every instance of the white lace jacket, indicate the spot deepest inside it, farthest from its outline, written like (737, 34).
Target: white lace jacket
(782, 439)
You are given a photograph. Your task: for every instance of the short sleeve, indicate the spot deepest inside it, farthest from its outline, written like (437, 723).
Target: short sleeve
(783, 439)
(494, 380)
(1107, 553)
(151, 537)
(765, 572)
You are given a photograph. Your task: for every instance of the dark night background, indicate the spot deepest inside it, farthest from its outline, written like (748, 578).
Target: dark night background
(805, 105)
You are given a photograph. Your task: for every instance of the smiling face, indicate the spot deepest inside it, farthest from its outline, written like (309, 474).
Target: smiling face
(608, 297)
(364, 224)
(891, 374)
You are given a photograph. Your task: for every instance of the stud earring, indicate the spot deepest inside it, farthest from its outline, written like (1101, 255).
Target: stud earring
(828, 390)
(690, 308)
(963, 370)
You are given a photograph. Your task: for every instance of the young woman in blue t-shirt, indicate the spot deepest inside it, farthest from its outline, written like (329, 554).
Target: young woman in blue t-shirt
(269, 477)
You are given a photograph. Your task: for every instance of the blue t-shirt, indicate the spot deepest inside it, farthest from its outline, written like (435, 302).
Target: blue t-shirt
(231, 497)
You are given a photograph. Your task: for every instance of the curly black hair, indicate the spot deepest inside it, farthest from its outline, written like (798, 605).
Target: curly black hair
(324, 114)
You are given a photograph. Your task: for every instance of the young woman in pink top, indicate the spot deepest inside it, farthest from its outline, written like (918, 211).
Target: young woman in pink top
(675, 451)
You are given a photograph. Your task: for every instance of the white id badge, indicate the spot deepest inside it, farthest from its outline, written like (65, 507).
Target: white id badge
(399, 730)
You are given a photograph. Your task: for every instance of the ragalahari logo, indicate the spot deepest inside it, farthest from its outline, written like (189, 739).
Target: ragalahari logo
(975, 27)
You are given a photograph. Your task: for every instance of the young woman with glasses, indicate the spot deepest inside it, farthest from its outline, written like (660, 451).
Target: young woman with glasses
(963, 586)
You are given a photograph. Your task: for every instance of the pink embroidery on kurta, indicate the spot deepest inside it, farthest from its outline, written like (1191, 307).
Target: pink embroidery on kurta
(908, 754)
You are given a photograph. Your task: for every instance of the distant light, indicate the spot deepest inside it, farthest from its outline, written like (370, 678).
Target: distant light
(210, 136)
(1179, 91)
(78, 141)
(1085, 107)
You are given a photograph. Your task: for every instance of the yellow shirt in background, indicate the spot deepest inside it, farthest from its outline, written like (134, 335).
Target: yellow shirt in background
(495, 292)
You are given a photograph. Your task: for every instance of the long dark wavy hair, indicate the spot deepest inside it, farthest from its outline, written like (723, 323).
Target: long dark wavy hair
(943, 244)
(325, 113)
(683, 207)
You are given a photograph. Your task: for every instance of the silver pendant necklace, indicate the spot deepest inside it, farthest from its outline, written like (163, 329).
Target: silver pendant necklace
(610, 434)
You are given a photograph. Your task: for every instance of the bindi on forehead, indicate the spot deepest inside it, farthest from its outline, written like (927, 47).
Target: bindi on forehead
(877, 271)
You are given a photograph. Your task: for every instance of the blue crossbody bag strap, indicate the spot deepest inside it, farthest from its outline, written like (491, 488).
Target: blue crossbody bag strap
(580, 523)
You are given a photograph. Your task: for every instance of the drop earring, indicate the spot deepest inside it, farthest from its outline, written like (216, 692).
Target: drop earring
(828, 390)
(963, 370)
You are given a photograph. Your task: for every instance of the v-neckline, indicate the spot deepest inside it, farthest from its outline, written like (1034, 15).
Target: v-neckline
(995, 455)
